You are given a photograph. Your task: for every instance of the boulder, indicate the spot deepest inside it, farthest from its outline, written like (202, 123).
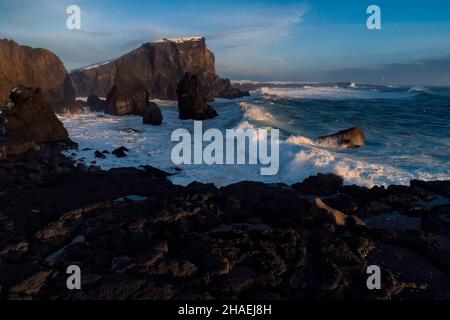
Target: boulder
(152, 114)
(120, 152)
(35, 67)
(350, 138)
(96, 104)
(28, 117)
(192, 100)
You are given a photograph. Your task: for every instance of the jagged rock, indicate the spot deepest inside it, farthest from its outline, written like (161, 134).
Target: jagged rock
(120, 152)
(321, 184)
(160, 65)
(350, 138)
(244, 241)
(192, 101)
(23, 65)
(96, 104)
(28, 117)
(100, 155)
(152, 114)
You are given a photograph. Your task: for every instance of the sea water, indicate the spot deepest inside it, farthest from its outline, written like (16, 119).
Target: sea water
(407, 134)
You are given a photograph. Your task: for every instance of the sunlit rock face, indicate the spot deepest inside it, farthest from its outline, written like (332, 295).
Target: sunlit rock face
(160, 65)
(30, 67)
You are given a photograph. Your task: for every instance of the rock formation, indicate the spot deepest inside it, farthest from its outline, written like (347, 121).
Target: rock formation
(351, 138)
(152, 114)
(139, 236)
(160, 65)
(192, 100)
(96, 104)
(22, 65)
(28, 117)
(128, 96)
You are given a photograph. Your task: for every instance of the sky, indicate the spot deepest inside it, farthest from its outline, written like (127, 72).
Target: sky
(318, 41)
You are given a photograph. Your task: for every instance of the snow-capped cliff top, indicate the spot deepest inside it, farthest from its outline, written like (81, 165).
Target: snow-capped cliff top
(179, 40)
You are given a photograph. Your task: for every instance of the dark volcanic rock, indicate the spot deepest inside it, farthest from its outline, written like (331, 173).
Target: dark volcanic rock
(22, 65)
(120, 152)
(160, 65)
(192, 101)
(350, 138)
(28, 117)
(152, 114)
(136, 235)
(96, 104)
(321, 185)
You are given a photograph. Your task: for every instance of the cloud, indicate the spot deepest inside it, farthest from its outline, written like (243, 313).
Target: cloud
(260, 28)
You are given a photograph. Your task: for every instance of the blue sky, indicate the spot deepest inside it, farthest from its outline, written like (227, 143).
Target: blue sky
(261, 40)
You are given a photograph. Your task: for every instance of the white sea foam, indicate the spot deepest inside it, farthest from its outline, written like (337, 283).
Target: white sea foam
(333, 93)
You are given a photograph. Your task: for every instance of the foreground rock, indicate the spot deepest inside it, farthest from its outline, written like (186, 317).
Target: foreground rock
(28, 117)
(22, 65)
(192, 101)
(135, 235)
(350, 138)
(160, 65)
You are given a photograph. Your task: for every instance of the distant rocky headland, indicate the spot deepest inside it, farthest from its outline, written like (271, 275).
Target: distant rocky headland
(136, 235)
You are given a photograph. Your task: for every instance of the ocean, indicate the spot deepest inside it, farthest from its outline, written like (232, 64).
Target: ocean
(407, 133)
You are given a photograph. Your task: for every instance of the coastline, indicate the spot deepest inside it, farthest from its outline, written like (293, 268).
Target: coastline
(145, 238)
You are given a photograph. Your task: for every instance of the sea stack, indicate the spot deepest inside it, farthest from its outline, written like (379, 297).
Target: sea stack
(192, 100)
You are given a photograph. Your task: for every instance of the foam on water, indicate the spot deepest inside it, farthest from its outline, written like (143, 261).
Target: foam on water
(383, 161)
(334, 93)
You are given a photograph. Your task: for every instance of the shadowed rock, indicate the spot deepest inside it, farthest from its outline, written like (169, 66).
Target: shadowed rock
(192, 101)
(35, 68)
(96, 104)
(28, 117)
(351, 138)
(128, 96)
(152, 114)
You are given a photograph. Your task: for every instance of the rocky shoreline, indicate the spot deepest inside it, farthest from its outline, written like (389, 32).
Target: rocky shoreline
(136, 235)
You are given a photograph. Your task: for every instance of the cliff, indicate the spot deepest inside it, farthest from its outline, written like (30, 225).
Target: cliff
(160, 65)
(30, 67)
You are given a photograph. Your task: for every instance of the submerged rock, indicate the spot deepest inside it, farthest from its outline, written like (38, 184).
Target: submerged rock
(120, 152)
(350, 138)
(192, 100)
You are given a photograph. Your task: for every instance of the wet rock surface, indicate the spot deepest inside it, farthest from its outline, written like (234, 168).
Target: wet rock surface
(135, 235)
